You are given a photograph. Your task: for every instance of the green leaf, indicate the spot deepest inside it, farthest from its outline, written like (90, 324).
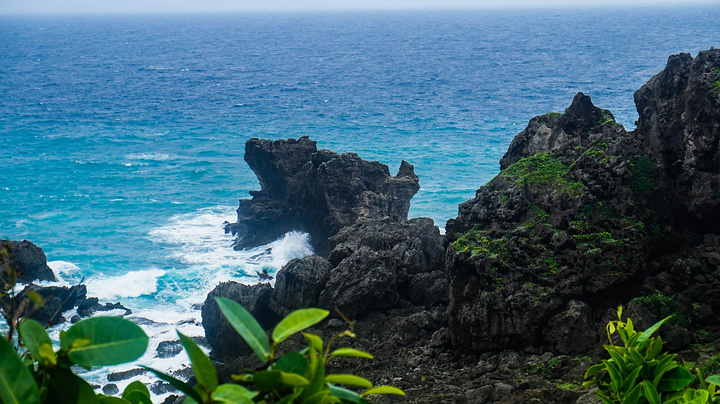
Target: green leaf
(137, 393)
(178, 384)
(137, 397)
(292, 379)
(383, 390)
(714, 379)
(592, 370)
(674, 380)
(245, 324)
(615, 376)
(297, 321)
(631, 379)
(68, 388)
(350, 352)
(202, 367)
(346, 394)
(34, 336)
(314, 341)
(651, 393)
(112, 400)
(633, 396)
(289, 399)
(233, 394)
(293, 362)
(110, 341)
(348, 380)
(16, 383)
(267, 380)
(650, 331)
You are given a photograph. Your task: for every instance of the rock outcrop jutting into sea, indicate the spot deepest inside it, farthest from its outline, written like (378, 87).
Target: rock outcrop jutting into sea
(584, 216)
(316, 191)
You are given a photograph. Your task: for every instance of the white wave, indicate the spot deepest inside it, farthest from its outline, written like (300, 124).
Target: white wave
(65, 272)
(150, 156)
(131, 284)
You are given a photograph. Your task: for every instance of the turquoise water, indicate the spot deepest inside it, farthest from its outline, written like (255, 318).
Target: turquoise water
(123, 137)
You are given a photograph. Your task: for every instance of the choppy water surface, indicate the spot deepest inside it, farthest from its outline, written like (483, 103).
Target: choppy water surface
(122, 137)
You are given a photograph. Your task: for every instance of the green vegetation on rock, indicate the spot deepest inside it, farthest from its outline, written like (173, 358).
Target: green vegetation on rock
(542, 169)
(477, 243)
(642, 170)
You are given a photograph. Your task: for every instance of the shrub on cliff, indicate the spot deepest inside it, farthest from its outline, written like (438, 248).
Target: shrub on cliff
(638, 371)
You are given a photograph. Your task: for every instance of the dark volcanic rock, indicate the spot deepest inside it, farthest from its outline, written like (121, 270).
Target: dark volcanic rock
(299, 284)
(224, 340)
(316, 191)
(585, 210)
(375, 264)
(562, 220)
(57, 300)
(29, 259)
(679, 110)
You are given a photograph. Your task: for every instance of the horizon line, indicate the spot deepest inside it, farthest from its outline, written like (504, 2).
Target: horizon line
(320, 10)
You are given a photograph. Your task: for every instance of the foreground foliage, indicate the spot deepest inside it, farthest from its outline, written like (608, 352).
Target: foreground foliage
(638, 371)
(33, 372)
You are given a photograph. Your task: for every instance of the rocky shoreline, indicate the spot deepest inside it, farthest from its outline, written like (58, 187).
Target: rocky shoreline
(510, 305)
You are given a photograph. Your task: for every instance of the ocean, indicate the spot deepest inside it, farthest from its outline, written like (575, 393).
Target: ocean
(123, 136)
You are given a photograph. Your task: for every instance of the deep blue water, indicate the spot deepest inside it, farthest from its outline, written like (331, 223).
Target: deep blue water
(123, 137)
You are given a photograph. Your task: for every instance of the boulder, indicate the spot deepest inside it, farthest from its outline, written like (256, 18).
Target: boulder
(220, 335)
(29, 261)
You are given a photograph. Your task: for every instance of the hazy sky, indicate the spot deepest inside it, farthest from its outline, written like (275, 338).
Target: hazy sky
(184, 6)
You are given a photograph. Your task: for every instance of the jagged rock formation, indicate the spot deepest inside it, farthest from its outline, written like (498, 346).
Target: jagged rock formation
(585, 216)
(375, 264)
(679, 110)
(316, 191)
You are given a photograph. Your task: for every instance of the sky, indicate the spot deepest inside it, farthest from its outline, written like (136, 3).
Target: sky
(211, 6)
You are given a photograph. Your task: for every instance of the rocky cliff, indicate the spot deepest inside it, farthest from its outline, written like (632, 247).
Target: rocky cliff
(583, 216)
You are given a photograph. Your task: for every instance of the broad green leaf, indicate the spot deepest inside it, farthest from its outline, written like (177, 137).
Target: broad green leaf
(111, 340)
(202, 367)
(68, 388)
(245, 324)
(233, 394)
(317, 398)
(137, 397)
(674, 380)
(16, 383)
(655, 349)
(112, 400)
(297, 321)
(136, 386)
(631, 379)
(346, 394)
(34, 336)
(267, 380)
(383, 390)
(350, 352)
(292, 379)
(615, 376)
(650, 331)
(348, 380)
(633, 396)
(637, 357)
(178, 384)
(293, 362)
(651, 393)
(592, 370)
(314, 341)
(714, 379)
